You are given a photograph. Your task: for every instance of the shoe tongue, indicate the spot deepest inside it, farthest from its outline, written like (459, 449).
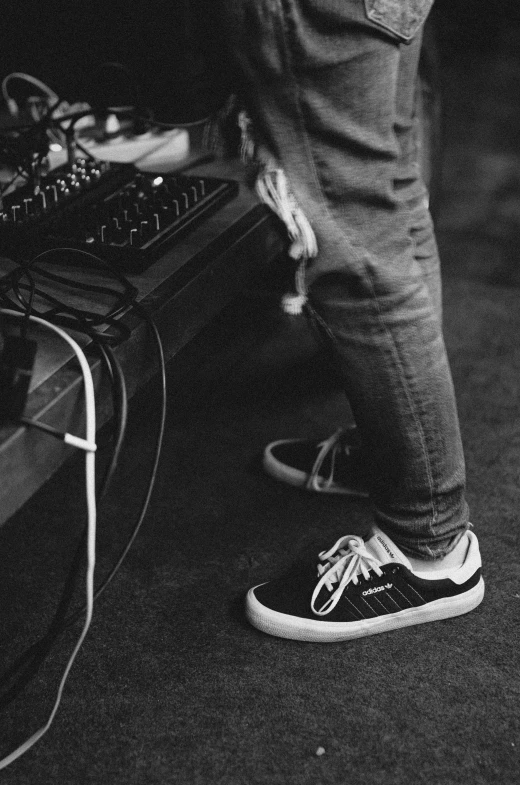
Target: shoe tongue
(384, 549)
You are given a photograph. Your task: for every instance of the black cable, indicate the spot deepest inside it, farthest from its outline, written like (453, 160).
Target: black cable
(120, 406)
(153, 473)
(28, 663)
(135, 112)
(65, 315)
(28, 307)
(84, 321)
(78, 319)
(123, 299)
(85, 151)
(80, 322)
(24, 147)
(41, 426)
(120, 415)
(120, 398)
(34, 656)
(114, 333)
(18, 173)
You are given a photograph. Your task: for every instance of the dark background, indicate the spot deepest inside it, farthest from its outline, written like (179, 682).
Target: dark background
(172, 50)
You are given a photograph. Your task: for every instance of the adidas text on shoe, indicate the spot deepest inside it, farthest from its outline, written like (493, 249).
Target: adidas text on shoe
(362, 588)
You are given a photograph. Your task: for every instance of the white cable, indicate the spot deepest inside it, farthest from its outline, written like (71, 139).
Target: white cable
(89, 446)
(11, 103)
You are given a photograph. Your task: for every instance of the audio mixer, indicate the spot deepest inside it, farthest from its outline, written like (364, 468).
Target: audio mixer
(111, 210)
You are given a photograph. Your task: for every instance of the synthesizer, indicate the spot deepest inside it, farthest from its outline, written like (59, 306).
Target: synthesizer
(111, 210)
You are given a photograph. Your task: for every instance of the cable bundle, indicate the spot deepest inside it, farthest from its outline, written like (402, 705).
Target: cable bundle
(26, 297)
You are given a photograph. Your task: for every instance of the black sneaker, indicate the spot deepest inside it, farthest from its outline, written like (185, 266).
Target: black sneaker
(363, 588)
(329, 466)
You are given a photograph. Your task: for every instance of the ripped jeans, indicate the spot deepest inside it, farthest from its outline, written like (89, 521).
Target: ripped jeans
(331, 88)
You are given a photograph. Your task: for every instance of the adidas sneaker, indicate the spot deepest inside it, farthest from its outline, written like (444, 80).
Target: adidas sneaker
(328, 466)
(363, 588)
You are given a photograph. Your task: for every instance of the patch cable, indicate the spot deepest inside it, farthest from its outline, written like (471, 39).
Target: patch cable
(40, 649)
(89, 445)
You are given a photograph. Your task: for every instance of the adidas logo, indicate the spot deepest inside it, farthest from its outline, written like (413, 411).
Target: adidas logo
(387, 549)
(376, 589)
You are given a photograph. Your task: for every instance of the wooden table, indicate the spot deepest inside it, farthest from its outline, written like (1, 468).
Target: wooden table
(182, 291)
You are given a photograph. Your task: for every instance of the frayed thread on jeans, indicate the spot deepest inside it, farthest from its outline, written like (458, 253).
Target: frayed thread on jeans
(273, 189)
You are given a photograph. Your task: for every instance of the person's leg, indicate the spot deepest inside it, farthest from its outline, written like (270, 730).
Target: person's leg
(331, 95)
(409, 182)
(398, 381)
(332, 465)
(325, 89)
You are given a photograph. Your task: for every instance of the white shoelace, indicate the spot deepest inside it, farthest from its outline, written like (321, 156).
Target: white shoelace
(344, 562)
(332, 444)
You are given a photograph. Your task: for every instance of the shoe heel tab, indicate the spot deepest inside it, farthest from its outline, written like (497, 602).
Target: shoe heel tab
(473, 550)
(472, 561)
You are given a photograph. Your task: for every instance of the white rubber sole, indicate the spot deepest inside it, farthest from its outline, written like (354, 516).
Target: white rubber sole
(315, 631)
(297, 478)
